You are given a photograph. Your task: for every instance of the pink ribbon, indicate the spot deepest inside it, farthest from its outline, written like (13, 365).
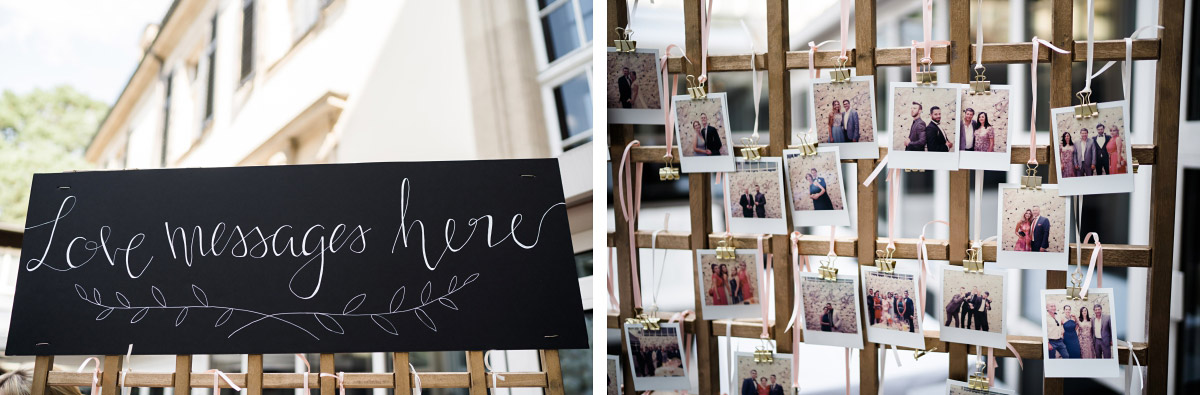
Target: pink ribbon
(218, 374)
(629, 195)
(1097, 262)
(307, 371)
(705, 19)
(923, 257)
(95, 373)
(763, 289)
(487, 363)
(847, 370)
(687, 347)
(992, 362)
(845, 22)
(668, 116)
(928, 43)
(728, 213)
(893, 200)
(341, 381)
(1033, 89)
(612, 294)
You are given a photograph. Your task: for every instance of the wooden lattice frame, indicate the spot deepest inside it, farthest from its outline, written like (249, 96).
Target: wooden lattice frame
(778, 60)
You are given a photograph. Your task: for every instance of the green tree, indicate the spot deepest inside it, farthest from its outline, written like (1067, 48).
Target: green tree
(43, 131)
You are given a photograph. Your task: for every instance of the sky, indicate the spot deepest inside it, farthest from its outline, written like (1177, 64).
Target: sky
(89, 44)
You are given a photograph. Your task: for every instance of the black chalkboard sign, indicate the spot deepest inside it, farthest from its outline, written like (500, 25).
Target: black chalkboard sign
(428, 256)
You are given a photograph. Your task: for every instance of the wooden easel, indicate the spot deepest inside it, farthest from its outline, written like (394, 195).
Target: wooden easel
(866, 58)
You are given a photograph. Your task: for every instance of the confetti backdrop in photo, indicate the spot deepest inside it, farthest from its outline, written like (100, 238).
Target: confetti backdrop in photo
(818, 292)
(996, 107)
(942, 98)
(613, 381)
(649, 94)
(750, 260)
(827, 167)
(687, 111)
(859, 95)
(764, 175)
(781, 368)
(1083, 329)
(895, 283)
(953, 280)
(1109, 117)
(1051, 206)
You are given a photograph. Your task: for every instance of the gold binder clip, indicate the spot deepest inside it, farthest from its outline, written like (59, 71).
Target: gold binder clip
(751, 149)
(763, 353)
(624, 44)
(668, 172)
(927, 76)
(884, 261)
(974, 261)
(827, 270)
(914, 170)
(981, 86)
(808, 145)
(696, 88)
(648, 321)
(840, 73)
(1085, 109)
(978, 382)
(917, 354)
(1031, 180)
(725, 248)
(1073, 291)
(1134, 161)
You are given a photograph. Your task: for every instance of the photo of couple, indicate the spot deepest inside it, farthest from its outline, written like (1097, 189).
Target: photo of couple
(634, 87)
(844, 113)
(984, 130)
(1078, 329)
(764, 378)
(1034, 221)
(702, 130)
(1093, 154)
(829, 305)
(924, 123)
(815, 180)
(755, 196)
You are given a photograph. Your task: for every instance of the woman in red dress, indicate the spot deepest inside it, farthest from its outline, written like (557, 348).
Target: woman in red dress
(744, 279)
(718, 287)
(1116, 150)
(1024, 235)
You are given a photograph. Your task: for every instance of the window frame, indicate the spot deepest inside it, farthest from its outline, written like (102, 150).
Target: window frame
(246, 72)
(551, 74)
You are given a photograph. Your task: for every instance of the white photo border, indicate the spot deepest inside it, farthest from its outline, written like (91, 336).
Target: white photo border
(1097, 367)
(774, 226)
(915, 339)
(970, 336)
(1031, 259)
(1000, 161)
(849, 340)
(859, 150)
(704, 164)
(921, 160)
(717, 312)
(658, 383)
(737, 375)
(640, 116)
(819, 217)
(1094, 185)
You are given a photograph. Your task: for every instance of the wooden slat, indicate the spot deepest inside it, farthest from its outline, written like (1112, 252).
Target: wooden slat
(295, 380)
(902, 57)
(619, 136)
(254, 374)
(112, 370)
(780, 108)
(445, 380)
(960, 69)
(41, 372)
(1143, 49)
(1143, 153)
(402, 377)
(1060, 96)
(553, 368)
(183, 374)
(865, 61)
(476, 370)
(328, 384)
(824, 59)
(205, 380)
(722, 63)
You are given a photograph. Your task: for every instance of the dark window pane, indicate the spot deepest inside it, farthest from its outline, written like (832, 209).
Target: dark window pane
(1193, 104)
(208, 91)
(577, 365)
(574, 101)
(544, 3)
(247, 38)
(559, 29)
(166, 118)
(585, 9)
(583, 264)
(1188, 350)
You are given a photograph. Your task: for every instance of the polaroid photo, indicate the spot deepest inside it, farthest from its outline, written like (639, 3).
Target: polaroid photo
(702, 132)
(1078, 335)
(972, 309)
(755, 378)
(831, 315)
(756, 198)
(924, 123)
(845, 116)
(730, 287)
(893, 302)
(1093, 154)
(635, 87)
(1033, 228)
(955, 387)
(614, 375)
(984, 130)
(817, 190)
(656, 358)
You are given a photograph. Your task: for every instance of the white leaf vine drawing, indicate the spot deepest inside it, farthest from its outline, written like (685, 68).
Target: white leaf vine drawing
(327, 321)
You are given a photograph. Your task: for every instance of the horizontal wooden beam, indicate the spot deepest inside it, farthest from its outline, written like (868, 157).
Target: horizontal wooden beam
(296, 380)
(1144, 154)
(723, 63)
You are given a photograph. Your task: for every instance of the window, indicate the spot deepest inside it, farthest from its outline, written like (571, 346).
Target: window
(247, 39)
(573, 103)
(305, 14)
(564, 53)
(565, 23)
(166, 118)
(212, 66)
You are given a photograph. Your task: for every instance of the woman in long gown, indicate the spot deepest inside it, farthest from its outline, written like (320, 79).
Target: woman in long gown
(744, 279)
(1086, 338)
(837, 129)
(1070, 334)
(718, 288)
(633, 97)
(1024, 235)
(1116, 151)
(818, 194)
(878, 308)
(1066, 156)
(735, 290)
(887, 310)
(985, 134)
(699, 149)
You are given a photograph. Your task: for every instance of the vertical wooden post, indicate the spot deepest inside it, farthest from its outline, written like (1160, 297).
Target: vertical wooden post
(700, 193)
(779, 107)
(42, 366)
(328, 384)
(960, 65)
(553, 369)
(108, 378)
(1162, 191)
(868, 196)
(254, 374)
(1060, 96)
(183, 374)
(400, 371)
(478, 373)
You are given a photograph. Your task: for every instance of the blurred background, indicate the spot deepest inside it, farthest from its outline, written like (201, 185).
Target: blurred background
(91, 85)
(1118, 218)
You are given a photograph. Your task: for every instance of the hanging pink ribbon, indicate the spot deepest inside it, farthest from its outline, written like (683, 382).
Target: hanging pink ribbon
(680, 317)
(763, 289)
(728, 213)
(95, 373)
(1097, 263)
(307, 371)
(705, 21)
(991, 375)
(487, 364)
(668, 115)
(629, 196)
(848, 370)
(1033, 89)
(218, 374)
(923, 258)
(340, 377)
(845, 28)
(612, 294)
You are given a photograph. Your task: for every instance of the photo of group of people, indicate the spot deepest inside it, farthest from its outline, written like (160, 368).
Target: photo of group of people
(756, 196)
(1079, 333)
(1093, 153)
(893, 307)
(1033, 228)
(655, 357)
(815, 183)
(973, 307)
(634, 87)
(844, 115)
(705, 142)
(764, 378)
(924, 123)
(730, 286)
(984, 129)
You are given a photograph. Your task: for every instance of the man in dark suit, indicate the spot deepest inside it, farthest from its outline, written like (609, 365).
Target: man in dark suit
(851, 122)
(747, 203)
(624, 89)
(935, 138)
(908, 312)
(1086, 150)
(749, 385)
(954, 307)
(760, 202)
(966, 143)
(916, 133)
(964, 314)
(1102, 138)
(776, 389)
(1041, 231)
(712, 138)
(871, 306)
(1103, 342)
(973, 309)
